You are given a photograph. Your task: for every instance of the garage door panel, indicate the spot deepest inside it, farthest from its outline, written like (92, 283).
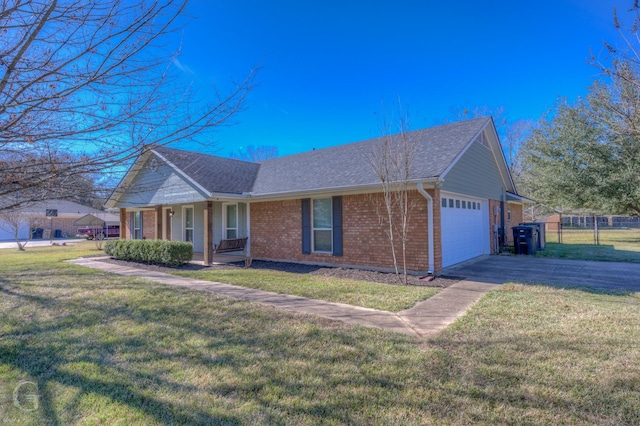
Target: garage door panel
(464, 228)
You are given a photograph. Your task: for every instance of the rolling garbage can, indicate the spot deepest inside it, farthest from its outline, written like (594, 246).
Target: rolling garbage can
(542, 239)
(525, 239)
(58, 233)
(36, 233)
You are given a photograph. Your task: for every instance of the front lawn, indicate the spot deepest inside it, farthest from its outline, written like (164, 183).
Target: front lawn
(106, 349)
(616, 245)
(393, 298)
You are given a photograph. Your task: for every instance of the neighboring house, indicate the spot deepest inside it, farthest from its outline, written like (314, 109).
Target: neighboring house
(67, 213)
(319, 207)
(98, 225)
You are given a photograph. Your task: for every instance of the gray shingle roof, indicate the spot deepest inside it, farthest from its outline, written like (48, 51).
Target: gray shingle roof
(336, 167)
(348, 165)
(215, 174)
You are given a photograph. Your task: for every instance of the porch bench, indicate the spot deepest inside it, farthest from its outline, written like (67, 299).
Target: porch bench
(235, 244)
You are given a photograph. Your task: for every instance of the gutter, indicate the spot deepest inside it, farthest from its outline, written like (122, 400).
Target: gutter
(426, 195)
(355, 189)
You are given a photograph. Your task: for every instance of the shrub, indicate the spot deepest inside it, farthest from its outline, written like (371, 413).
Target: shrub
(171, 253)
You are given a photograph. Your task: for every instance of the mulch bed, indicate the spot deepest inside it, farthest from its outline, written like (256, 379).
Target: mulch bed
(350, 273)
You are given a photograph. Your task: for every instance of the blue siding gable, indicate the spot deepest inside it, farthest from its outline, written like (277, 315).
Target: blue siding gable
(475, 174)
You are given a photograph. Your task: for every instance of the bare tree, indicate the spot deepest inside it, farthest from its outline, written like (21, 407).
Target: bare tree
(256, 153)
(392, 160)
(14, 221)
(86, 86)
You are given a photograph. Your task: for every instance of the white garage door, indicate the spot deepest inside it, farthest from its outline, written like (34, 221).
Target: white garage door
(8, 233)
(465, 228)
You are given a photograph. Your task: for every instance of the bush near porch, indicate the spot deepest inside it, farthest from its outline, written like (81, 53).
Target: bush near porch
(171, 253)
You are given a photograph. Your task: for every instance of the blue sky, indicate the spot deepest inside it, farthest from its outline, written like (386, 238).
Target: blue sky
(329, 65)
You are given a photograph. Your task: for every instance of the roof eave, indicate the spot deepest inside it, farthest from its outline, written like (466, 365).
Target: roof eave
(515, 198)
(349, 189)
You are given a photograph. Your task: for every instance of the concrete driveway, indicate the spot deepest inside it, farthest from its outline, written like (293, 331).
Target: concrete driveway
(38, 243)
(525, 269)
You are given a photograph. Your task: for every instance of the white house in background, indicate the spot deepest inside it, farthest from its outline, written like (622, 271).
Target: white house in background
(67, 213)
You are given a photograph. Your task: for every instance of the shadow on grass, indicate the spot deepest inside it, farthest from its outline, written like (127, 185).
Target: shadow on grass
(79, 335)
(176, 356)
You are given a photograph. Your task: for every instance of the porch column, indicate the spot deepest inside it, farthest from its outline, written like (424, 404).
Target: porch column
(123, 224)
(159, 220)
(208, 233)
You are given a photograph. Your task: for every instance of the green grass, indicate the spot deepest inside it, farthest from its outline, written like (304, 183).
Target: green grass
(359, 293)
(106, 349)
(620, 245)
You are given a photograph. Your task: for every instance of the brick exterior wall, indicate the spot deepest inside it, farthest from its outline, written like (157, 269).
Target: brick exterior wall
(516, 219)
(276, 233)
(148, 225)
(65, 224)
(494, 224)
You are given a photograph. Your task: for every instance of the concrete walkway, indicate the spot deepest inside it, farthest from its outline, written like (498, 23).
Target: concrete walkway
(425, 319)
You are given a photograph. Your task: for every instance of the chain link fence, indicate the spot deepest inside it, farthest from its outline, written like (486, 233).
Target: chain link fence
(592, 229)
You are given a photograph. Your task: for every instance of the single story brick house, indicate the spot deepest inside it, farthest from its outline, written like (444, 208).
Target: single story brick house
(319, 207)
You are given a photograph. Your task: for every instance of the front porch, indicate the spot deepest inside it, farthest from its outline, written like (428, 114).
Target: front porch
(203, 224)
(218, 259)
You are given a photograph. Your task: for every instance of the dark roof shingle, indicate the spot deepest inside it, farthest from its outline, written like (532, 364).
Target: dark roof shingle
(215, 174)
(348, 165)
(341, 166)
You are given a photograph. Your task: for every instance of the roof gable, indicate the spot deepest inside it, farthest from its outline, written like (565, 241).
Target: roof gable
(217, 175)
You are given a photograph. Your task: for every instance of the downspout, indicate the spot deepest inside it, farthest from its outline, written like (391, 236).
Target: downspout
(426, 195)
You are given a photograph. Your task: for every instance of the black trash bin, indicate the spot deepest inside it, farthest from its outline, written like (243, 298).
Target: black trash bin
(58, 233)
(36, 233)
(542, 239)
(525, 239)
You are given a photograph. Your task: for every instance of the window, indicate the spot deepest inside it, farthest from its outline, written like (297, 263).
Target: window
(231, 221)
(474, 205)
(457, 204)
(464, 204)
(188, 223)
(322, 225)
(509, 212)
(444, 202)
(451, 203)
(136, 229)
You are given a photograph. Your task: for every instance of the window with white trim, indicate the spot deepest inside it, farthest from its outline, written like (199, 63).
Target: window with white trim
(188, 223)
(322, 225)
(231, 221)
(136, 229)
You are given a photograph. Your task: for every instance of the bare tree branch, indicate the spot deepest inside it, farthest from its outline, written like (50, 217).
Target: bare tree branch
(86, 86)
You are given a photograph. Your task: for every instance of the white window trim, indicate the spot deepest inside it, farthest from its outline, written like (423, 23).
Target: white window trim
(313, 229)
(225, 226)
(133, 225)
(164, 224)
(184, 223)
